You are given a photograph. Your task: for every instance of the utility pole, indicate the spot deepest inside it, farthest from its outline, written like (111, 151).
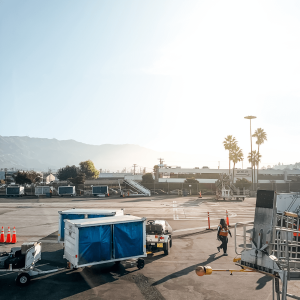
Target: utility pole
(134, 166)
(250, 118)
(161, 160)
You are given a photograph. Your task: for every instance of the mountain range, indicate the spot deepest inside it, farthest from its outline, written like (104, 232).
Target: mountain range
(42, 154)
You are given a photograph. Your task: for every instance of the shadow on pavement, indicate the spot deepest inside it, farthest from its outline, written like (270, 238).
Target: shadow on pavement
(262, 282)
(63, 284)
(188, 270)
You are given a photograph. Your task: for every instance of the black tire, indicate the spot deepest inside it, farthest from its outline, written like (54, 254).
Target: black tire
(170, 242)
(167, 251)
(23, 279)
(140, 263)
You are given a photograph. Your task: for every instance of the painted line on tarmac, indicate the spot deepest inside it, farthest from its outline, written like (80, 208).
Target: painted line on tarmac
(195, 228)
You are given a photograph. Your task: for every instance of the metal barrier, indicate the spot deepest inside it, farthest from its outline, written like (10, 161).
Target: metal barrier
(244, 235)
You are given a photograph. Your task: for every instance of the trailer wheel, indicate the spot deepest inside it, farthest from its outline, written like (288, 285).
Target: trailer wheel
(23, 279)
(140, 263)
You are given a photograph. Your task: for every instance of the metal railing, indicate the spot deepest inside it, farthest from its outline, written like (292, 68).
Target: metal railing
(244, 236)
(133, 184)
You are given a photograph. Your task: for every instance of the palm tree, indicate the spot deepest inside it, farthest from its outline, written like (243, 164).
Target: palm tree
(229, 143)
(261, 137)
(236, 155)
(256, 157)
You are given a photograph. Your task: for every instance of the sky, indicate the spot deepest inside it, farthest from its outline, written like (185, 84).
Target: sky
(167, 75)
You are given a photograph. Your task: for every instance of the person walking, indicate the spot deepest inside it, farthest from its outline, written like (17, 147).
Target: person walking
(222, 236)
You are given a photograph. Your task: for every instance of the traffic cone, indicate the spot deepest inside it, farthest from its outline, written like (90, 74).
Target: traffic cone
(14, 236)
(2, 237)
(200, 196)
(227, 218)
(8, 237)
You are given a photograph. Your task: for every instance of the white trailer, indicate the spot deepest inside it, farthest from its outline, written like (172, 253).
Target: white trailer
(14, 191)
(73, 214)
(42, 190)
(66, 191)
(103, 240)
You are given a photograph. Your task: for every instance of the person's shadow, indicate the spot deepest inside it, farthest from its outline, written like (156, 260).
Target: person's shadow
(188, 270)
(262, 281)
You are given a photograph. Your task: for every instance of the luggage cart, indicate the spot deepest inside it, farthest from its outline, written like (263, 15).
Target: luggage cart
(104, 240)
(32, 256)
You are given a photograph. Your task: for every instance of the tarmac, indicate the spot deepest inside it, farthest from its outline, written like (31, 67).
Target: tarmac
(163, 277)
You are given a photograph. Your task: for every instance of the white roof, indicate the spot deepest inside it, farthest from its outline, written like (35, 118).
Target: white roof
(90, 211)
(104, 220)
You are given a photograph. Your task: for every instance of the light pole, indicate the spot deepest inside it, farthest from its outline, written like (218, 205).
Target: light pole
(250, 118)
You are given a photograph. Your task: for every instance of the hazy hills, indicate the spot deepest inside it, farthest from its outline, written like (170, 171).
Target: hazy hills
(41, 154)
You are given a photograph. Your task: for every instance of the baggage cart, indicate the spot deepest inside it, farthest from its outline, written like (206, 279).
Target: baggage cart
(22, 260)
(66, 191)
(15, 191)
(42, 190)
(102, 240)
(100, 190)
(73, 214)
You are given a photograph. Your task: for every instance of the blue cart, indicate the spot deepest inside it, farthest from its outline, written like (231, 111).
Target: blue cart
(73, 214)
(102, 240)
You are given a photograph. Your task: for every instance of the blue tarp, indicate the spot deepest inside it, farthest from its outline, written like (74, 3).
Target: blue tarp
(98, 216)
(62, 224)
(94, 244)
(128, 239)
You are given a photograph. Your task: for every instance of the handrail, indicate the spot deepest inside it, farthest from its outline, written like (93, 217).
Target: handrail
(244, 235)
(138, 186)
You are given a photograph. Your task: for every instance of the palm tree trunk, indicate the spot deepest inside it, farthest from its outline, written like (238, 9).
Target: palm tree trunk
(254, 172)
(229, 163)
(233, 173)
(257, 162)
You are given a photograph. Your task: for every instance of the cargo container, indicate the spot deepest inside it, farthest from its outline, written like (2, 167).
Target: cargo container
(66, 191)
(13, 191)
(102, 240)
(42, 190)
(73, 214)
(103, 189)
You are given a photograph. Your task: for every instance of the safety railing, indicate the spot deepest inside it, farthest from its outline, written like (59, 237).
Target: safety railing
(137, 186)
(286, 243)
(244, 236)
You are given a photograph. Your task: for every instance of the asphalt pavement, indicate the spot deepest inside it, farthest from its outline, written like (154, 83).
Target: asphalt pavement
(163, 277)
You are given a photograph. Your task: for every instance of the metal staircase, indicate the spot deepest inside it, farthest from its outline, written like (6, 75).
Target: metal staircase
(141, 190)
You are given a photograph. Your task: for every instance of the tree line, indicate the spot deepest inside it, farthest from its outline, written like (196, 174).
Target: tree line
(76, 175)
(235, 153)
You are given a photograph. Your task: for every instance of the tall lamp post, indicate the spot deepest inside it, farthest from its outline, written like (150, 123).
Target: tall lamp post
(250, 118)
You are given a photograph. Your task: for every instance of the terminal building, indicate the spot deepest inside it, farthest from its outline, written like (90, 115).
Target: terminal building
(206, 175)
